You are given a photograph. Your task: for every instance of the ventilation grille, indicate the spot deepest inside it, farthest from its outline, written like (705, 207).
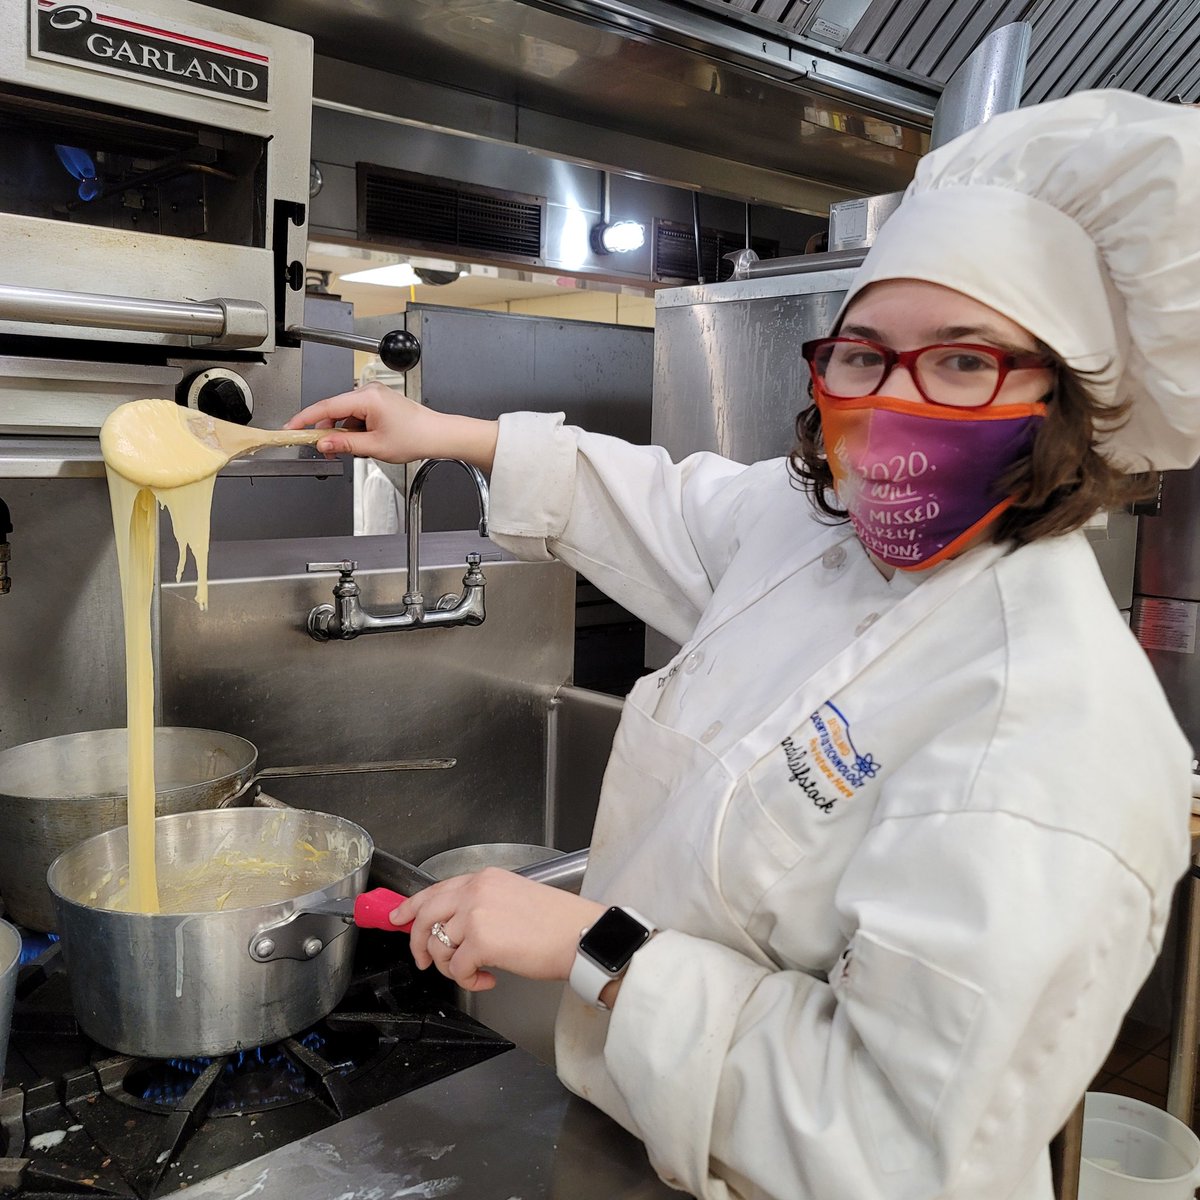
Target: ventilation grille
(1146, 46)
(788, 13)
(418, 210)
(675, 251)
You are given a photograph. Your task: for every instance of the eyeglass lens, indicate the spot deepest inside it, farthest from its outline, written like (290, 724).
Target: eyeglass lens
(947, 374)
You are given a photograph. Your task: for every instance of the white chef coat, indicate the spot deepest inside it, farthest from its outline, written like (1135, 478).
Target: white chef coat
(907, 898)
(692, 692)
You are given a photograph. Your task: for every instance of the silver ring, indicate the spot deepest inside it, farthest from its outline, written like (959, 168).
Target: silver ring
(439, 932)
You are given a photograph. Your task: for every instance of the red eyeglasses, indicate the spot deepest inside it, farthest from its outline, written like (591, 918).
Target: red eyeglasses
(955, 374)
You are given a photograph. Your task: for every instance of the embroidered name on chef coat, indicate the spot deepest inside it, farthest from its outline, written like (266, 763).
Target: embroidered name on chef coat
(822, 760)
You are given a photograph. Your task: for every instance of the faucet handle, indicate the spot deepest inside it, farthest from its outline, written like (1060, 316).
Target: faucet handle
(347, 566)
(474, 574)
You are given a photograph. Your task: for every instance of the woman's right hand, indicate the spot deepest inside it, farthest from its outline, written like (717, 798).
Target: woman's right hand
(379, 422)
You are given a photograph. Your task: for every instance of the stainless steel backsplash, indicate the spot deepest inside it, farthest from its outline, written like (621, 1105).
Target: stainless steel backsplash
(479, 695)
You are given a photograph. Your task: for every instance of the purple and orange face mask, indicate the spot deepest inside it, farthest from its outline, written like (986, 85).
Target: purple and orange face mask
(919, 480)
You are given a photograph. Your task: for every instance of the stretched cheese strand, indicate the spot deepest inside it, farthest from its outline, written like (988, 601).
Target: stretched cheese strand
(158, 448)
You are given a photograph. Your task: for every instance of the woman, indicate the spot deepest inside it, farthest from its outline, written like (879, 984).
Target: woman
(895, 847)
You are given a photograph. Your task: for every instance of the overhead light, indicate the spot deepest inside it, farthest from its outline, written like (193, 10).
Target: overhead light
(393, 275)
(618, 238)
(614, 237)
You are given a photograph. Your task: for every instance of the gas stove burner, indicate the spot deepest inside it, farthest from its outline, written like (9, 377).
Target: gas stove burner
(77, 1119)
(251, 1080)
(34, 945)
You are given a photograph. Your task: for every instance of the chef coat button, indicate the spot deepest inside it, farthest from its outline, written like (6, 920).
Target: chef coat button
(866, 623)
(711, 732)
(833, 557)
(691, 664)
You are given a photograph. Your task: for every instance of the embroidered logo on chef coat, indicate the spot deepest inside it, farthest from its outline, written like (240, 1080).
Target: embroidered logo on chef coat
(822, 760)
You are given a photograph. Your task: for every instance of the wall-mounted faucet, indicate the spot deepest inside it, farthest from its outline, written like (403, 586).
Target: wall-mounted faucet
(346, 618)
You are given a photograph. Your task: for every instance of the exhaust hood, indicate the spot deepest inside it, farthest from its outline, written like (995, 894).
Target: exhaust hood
(699, 96)
(792, 103)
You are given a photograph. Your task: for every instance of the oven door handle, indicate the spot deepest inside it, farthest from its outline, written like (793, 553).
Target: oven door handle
(231, 324)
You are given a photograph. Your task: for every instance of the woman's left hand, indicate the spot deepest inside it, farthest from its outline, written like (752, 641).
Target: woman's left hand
(495, 918)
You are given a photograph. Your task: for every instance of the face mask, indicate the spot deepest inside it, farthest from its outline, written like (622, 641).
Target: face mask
(919, 480)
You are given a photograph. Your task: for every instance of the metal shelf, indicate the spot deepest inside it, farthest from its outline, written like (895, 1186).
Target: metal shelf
(79, 458)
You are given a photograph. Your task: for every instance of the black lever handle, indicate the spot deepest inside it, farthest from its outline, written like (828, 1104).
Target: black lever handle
(399, 350)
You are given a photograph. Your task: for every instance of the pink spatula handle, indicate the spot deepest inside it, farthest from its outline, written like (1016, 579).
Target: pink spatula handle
(372, 910)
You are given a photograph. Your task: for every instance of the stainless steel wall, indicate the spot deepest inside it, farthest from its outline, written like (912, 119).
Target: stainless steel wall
(728, 375)
(62, 648)
(479, 695)
(482, 364)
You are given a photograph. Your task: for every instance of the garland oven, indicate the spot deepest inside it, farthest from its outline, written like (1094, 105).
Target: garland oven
(154, 182)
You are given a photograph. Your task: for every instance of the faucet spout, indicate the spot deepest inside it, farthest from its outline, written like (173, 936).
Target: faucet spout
(413, 519)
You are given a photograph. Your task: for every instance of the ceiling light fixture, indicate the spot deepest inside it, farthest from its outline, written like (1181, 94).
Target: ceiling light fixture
(615, 237)
(621, 237)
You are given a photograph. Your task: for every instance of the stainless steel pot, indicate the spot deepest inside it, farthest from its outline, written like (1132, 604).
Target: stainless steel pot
(462, 860)
(522, 1010)
(57, 792)
(10, 962)
(190, 983)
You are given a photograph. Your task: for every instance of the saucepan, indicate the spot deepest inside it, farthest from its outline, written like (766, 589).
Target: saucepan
(255, 941)
(57, 792)
(246, 950)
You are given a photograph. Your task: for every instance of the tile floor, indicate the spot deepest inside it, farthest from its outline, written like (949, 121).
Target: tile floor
(1138, 1066)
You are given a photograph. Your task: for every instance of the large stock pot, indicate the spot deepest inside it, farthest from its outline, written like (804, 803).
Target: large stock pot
(62, 790)
(57, 792)
(247, 963)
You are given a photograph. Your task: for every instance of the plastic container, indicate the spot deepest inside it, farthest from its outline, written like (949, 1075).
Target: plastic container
(1134, 1151)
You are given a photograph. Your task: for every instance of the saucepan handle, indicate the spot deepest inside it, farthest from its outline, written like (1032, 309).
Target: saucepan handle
(373, 910)
(354, 768)
(306, 932)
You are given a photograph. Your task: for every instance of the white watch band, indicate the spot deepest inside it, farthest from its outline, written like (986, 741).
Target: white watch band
(588, 979)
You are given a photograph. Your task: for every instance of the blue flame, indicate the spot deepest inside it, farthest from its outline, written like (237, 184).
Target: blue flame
(290, 1077)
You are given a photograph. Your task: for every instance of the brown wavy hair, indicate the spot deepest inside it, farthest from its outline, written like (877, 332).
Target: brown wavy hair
(1056, 487)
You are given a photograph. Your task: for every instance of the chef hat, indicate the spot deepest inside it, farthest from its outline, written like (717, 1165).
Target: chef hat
(1079, 219)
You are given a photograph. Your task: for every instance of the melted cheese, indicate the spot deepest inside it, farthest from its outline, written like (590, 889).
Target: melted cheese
(152, 458)
(151, 443)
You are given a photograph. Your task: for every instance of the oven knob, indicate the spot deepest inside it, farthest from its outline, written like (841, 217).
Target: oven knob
(219, 392)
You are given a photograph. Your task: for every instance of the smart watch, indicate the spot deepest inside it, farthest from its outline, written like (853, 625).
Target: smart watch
(605, 949)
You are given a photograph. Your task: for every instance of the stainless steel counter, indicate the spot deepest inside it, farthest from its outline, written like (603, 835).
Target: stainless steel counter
(503, 1130)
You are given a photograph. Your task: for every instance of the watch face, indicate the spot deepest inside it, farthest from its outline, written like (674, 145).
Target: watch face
(611, 942)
